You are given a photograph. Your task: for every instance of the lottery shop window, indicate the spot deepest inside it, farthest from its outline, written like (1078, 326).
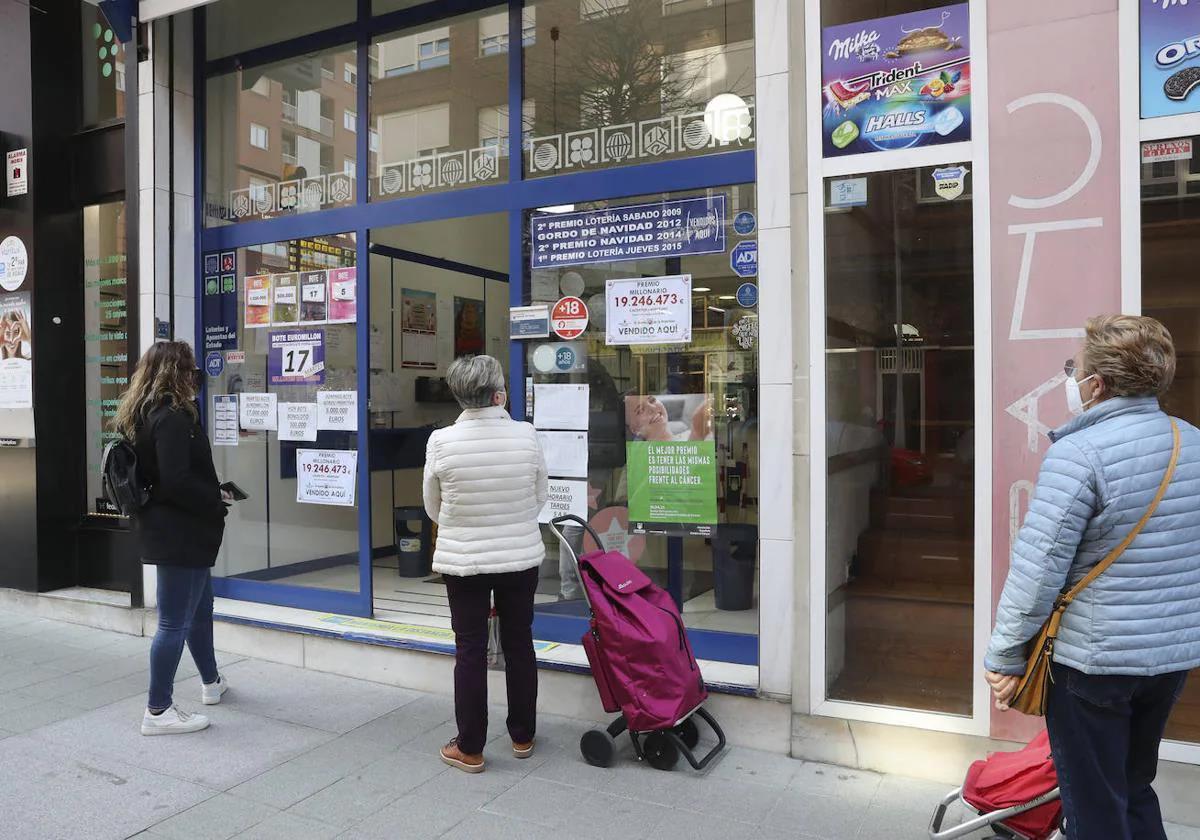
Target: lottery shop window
(647, 405)
(619, 82)
(280, 356)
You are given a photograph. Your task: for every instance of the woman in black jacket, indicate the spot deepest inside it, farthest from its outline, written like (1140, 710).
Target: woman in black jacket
(180, 528)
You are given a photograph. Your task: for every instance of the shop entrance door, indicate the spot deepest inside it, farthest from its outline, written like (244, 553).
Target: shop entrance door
(439, 290)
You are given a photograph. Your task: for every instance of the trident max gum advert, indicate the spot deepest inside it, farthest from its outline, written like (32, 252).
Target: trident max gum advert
(1170, 58)
(897, 82)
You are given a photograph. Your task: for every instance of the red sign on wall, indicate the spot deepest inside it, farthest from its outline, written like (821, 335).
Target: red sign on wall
(569, 318)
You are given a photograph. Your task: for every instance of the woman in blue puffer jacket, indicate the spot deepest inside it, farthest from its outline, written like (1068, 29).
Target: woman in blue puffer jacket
(1129, 639)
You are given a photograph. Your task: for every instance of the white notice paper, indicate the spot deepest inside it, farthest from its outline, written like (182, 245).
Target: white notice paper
(258, 412)
(566, 453)
(560, 407)
(337, 411)
(565, 497)
(225, 420)
(326, 476)
(297, 421)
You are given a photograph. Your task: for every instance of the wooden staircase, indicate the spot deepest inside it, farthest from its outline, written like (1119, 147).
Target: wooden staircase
(908, 604)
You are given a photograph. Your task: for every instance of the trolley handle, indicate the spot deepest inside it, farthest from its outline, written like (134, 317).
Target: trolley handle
(572, 518)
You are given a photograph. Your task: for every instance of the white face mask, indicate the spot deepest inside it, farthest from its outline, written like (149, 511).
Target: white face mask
(1075, 403)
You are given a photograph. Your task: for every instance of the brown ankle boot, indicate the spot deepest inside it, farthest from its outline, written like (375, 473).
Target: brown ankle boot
(455, 757)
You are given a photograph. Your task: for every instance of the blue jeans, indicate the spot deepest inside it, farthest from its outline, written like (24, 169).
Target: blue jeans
(1104, 735)
(185, 614)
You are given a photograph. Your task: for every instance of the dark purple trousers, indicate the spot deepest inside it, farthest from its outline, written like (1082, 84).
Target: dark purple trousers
(470, 606)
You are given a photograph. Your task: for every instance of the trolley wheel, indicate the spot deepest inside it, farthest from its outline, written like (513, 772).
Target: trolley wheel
(598, 748)
(689, 733)
(660, 751)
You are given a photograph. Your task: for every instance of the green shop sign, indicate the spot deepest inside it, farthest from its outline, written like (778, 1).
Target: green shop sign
(672, 487)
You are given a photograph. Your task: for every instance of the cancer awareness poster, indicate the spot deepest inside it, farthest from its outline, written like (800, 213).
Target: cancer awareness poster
(897, 82)
(671, 462)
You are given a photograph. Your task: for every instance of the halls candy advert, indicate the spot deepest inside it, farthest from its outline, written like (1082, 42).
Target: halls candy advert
(897, 82)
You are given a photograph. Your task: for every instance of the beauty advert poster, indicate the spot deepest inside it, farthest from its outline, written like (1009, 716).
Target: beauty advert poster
(898, 82)
(1170, 57)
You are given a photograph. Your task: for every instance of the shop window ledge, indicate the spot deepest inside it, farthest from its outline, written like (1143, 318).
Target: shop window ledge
(721, 677)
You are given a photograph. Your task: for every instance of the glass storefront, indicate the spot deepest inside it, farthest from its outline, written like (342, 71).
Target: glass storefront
(616, 82)
(1170, 205)
(292, 306)
(281, 137)
(649, 398)
(414, 282)
(106, 337)
(900, 435)
(439, 106)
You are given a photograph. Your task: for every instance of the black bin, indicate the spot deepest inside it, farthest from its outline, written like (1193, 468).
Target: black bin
(735, 550)
(414, 545)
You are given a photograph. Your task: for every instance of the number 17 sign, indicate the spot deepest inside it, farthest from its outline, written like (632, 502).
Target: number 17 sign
(296, 357)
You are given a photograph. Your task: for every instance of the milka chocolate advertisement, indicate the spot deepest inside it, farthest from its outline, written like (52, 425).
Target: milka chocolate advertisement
(897, 82)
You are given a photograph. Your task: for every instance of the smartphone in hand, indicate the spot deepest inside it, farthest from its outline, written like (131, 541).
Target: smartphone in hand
(238, 494)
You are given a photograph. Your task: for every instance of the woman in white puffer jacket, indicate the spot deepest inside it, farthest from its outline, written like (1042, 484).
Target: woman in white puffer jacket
(485, 483)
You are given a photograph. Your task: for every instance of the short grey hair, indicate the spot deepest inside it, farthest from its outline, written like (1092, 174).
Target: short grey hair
(474, 380)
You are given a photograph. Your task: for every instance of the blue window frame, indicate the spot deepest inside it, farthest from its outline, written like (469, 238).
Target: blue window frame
(514, 197)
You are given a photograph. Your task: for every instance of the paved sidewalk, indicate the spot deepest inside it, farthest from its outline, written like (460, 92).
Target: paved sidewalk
(300, 755)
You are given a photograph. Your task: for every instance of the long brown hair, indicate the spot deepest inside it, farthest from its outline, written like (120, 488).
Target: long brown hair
(164, 375)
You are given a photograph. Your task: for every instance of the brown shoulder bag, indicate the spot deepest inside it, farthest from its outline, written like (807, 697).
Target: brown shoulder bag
(1034, 687)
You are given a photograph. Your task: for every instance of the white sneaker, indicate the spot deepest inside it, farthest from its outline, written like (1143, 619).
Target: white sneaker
(172, 722)
(210, 694)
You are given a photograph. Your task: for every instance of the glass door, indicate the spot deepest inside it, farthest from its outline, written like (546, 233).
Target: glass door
(439, 290)
(279, 351)
(899, 360)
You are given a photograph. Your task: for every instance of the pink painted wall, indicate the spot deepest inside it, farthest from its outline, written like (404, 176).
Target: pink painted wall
(1055, 210)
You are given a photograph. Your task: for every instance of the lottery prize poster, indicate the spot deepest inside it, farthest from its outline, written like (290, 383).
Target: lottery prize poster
(1170, 58)
(287, 300)
(326, 476)
(677, 228)
(296, 357)
(343, 295)
(258, 301)
(314, 304)
(649, 310)
(897, 82)
(672, 487)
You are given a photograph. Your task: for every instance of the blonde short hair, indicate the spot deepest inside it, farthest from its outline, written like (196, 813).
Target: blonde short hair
(1132, 354)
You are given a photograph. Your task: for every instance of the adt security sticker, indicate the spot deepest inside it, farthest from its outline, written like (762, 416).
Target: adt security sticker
(744, 258)
(747, 295)
(744, 223)
(214, 364)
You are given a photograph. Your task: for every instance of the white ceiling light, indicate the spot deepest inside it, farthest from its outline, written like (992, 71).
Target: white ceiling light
(725, 117)
(557, 208)
(698, 289)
